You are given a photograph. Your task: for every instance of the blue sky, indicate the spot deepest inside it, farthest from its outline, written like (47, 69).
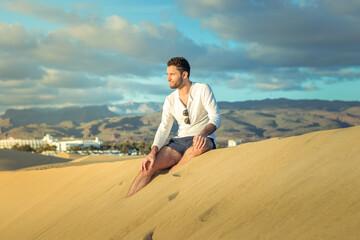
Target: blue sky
(65, 53)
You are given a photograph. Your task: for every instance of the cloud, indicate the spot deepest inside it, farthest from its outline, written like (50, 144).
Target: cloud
(46, 11)
(133, 87)
(23, 93)
(59, 70)
(147, 42)
(69, 79)
(13, 85)
(30, 94)
(348, 8)
(62, 51)
(15, 68)
(16, 37)
(286, 33)
(116, 38)
(275, 45)
(289, 79)
(284, 45)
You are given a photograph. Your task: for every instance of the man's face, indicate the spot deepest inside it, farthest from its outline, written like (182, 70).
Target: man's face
(174, 77)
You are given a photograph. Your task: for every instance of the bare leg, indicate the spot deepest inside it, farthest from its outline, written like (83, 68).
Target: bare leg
(165, 158)
(194, 151)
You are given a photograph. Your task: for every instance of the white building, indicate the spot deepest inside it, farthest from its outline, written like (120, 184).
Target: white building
(233, 143)
(9, 143)
(66, 145)
(61, 146)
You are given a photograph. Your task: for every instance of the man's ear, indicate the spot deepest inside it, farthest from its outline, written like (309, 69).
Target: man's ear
(185, 74)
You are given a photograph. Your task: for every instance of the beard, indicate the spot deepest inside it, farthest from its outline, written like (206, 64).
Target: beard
(177, 84)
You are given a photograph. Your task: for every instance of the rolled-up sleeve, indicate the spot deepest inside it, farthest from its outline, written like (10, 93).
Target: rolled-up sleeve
(164, 128)
(211, 106)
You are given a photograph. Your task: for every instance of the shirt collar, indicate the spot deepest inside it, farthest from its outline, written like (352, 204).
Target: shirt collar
(190, 96)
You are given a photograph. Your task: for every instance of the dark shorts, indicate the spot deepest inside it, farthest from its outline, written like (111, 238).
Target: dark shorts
(182, 144)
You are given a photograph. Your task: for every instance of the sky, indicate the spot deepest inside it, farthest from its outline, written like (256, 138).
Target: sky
(77, 53)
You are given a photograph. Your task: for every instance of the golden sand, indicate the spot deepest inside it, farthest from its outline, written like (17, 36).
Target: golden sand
(304, 187)
(68, 155)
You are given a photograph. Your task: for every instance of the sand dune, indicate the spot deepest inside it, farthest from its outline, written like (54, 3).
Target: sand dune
(304, 187)
(13, 160)
(69, 155)
(104, 158)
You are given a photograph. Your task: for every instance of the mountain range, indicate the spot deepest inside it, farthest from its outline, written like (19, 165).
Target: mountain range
(245, 121)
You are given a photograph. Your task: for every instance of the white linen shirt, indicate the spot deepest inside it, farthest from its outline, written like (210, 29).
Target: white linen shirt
(202, 109)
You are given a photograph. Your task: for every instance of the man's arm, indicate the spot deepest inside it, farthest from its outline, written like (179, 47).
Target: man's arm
(210, 105)
(161, 135)
(209, 129)
(212, 109)
(200, 140)
(164, 128)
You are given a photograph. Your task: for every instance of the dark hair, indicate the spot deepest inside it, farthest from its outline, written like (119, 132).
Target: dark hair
(180, 63)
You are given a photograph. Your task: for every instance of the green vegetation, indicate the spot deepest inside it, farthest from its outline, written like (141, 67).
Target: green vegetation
(77, 148)
(125, 147)
(45, 148)
(142, 147)
(24, 148)
(28, 148)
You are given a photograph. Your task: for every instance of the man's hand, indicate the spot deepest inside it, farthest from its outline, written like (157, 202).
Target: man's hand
(199, 142)
(149, 160)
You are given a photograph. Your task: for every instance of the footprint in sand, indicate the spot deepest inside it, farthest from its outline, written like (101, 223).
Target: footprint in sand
(205, 216)
(149, 235)
(176, 175)
(173, 196)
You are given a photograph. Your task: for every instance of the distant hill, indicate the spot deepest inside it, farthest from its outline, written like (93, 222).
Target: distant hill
(332, 106)
(53, 116)
(246, 121)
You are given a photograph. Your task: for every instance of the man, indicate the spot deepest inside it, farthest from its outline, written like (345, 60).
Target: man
(194, 108)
